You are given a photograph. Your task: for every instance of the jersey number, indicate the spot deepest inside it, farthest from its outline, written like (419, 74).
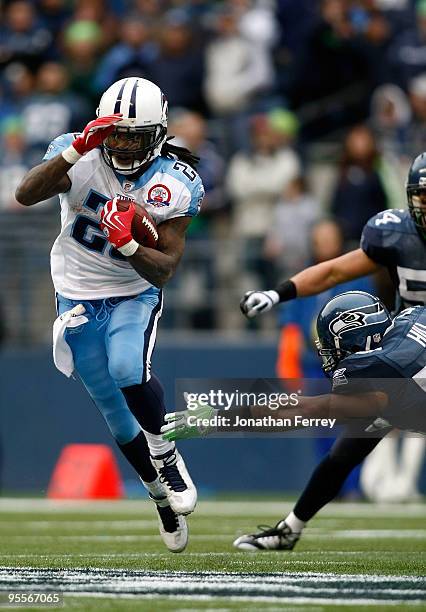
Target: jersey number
(186, 170)
(388, 217)
(88, 233)
(412, 285)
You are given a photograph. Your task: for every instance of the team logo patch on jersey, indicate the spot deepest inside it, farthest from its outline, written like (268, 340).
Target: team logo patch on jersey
(159, 195)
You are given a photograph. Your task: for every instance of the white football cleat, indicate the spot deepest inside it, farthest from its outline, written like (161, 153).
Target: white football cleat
(280, 537)
(177, 483)
(173, 527)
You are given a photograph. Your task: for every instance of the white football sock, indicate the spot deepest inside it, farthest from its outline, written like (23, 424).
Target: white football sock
(157, 446)
(155, 488)
(294, 523)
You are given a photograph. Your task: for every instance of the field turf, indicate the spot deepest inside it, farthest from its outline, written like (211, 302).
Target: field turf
(108, 556)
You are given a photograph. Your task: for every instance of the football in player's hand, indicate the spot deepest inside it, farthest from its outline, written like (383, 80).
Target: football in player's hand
(144, 229)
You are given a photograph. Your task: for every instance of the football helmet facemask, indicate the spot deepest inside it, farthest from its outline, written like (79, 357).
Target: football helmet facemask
(416, 193)
(350, 322)
(139, 136)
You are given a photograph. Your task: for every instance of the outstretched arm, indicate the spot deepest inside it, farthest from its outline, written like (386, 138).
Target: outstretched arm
(311, 281)
(319, 278)
(203, 420)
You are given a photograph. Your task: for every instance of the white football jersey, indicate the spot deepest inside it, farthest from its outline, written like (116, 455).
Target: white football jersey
(84, 264)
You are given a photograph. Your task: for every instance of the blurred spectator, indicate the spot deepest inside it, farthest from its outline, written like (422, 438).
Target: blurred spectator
(359, 193)
(417, 133)
(130, 56)
(407, 53)
(332, 72)
(82, 46)
(257, 179)
(13, 164)
(178, 68)
(98, 12)
(190, 130)
(257, 21)
(23, 36)
(255, 182)
(390, 119)
(237, 68)
(51, 110)
(147, 8)
(288, 249)
(55, 13)
(19, 84)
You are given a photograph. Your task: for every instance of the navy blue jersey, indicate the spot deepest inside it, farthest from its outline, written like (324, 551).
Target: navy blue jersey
(397, 367)
(392, 240)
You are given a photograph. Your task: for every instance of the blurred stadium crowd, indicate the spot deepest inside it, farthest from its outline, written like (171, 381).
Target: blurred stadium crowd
(305, 114)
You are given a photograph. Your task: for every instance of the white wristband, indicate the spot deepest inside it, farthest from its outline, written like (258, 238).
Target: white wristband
(70, 155)
(129, 249)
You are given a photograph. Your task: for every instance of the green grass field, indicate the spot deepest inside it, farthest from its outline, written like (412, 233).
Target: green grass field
(109, 556)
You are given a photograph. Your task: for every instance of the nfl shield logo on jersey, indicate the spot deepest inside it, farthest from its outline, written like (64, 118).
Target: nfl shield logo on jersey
(128, 186)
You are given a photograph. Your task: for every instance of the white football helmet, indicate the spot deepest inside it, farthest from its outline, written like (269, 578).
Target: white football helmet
(139, 136)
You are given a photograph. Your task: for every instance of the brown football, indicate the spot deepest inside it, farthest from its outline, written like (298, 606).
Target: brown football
(144, 229)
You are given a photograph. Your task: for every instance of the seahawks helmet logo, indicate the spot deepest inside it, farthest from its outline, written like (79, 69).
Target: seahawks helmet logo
(353, 319)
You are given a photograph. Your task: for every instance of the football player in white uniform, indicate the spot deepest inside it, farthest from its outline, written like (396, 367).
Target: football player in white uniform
(99, 269)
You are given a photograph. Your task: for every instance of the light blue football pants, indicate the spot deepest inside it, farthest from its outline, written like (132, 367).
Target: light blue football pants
(113, 350)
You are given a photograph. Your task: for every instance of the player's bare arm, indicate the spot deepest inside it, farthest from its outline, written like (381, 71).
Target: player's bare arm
(44, 181)
(159, 265)
(341, 407)
(311, 281)
(324, 275)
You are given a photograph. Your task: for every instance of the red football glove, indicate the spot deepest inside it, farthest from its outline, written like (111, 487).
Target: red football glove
(117, 225)
(91, 137)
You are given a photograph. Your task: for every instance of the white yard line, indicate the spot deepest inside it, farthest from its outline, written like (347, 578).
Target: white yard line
(306, 587)
(223, 508)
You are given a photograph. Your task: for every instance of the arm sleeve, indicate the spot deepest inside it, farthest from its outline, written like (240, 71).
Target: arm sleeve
(58, 145)
(188, 199)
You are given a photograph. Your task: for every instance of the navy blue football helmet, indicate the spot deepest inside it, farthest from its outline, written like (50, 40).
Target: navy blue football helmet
(416, 193)
(350, 322)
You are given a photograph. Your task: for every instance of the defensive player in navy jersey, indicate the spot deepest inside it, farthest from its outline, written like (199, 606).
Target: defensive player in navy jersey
(395, 240)
(109, 287)
(378, 369)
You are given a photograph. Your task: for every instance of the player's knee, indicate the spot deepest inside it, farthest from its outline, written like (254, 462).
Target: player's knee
(125, 369)
(121, 423)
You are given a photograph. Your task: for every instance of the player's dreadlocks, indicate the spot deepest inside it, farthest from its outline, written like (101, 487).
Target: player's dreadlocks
(182, 153)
